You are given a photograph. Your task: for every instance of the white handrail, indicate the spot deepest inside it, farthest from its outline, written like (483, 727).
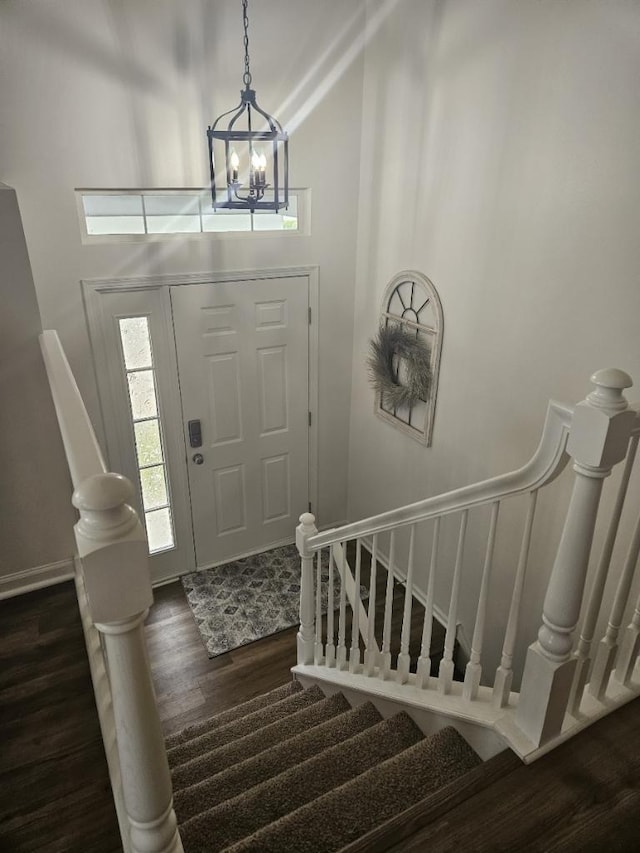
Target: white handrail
(596, 435)
(84, 456)
(583, 652)
(545, 465)
(114, 563)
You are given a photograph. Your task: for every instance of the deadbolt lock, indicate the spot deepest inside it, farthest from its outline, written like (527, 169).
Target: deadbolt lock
(195, 433)
(198, 458)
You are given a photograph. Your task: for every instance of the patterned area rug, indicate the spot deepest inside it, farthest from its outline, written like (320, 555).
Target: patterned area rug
(243, 601)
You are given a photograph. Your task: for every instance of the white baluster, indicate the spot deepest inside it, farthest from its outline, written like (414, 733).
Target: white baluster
(330, 649)
(354, 657)
(385, 657)
(341, 659)
(504, 673)
(473, 670)
(306, 632)
(600, 431)
(319, 646)
(424, 662)
(445, 672)
(404, 659)
(629, 648)
(582, 655)
(608, 647)
(371, 652)
(114, 553)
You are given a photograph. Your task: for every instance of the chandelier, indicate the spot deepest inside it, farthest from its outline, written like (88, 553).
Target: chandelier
(253, 148)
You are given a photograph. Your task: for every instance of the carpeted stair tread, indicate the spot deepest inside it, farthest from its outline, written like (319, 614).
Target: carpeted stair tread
(231, 714)
(251, 744)
(218, 737)
(243, 815)
(349, 811)
(257, 769)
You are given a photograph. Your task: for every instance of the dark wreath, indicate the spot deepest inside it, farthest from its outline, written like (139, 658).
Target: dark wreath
(394, 340)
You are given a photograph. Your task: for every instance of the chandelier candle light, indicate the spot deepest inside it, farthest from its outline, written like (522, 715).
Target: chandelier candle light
(256, 193)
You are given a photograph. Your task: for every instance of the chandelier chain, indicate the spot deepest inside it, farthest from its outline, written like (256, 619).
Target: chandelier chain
(245, 22)
(255, 181)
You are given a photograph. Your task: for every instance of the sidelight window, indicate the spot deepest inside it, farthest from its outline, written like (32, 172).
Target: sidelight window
(140, 376)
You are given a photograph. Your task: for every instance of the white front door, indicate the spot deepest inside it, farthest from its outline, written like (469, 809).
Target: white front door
(242, 351)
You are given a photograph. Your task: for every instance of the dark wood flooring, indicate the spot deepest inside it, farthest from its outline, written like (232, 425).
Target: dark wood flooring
(190, 687)
(54, 789)
(584, 797)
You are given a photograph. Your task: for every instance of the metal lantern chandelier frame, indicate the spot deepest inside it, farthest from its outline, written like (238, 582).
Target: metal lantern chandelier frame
(264, 153)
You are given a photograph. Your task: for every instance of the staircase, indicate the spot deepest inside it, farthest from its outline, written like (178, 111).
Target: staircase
(298, 771)
(295, 770)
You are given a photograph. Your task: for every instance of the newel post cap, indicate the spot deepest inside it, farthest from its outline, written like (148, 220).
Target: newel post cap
(106, 514)
(610, 383)
(113, 549)
(304, 530)
(308, 521)
(601, 424)
(103, 492)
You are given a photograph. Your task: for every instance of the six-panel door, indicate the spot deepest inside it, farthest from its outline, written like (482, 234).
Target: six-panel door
(243, 367)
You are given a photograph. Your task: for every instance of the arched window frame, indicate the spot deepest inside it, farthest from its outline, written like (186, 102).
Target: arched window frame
(418, 299)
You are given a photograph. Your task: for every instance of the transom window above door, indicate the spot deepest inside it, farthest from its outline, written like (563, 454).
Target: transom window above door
(134, 215)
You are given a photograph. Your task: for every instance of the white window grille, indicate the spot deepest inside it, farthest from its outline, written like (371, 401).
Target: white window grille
(139, 371)
(107, 215)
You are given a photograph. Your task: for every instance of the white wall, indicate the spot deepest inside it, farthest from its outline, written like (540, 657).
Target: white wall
(107, 93)
(500, 157)
(36, 516)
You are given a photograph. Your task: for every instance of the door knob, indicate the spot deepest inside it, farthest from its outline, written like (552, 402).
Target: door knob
(198, 458)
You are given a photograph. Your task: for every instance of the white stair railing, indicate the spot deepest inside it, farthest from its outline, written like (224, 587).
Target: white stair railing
(307, 631)
(599, 439)
(114, 587)
(597, 436)
(546, 464)
(629, 649)
(445, 672)
(504, 673)
(607, 653)
(583, 652)
(473, 670)
(423, 669)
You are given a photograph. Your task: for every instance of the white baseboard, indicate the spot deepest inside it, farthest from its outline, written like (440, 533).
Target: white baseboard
(38, 577)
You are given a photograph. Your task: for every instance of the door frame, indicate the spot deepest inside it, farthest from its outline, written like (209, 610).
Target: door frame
(152, 292)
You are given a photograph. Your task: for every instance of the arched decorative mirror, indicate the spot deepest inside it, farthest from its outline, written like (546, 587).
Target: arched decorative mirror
(405, 358)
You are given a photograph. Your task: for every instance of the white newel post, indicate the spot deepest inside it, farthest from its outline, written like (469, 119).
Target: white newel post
(113, 548)
(306, 633)
(598, 440)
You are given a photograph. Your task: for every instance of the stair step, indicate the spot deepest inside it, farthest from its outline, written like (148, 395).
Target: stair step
(438, 807)
(257, 769)
(345, 813)
(224, 734)
(235, 819)
(257, 741)
(228, 716)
